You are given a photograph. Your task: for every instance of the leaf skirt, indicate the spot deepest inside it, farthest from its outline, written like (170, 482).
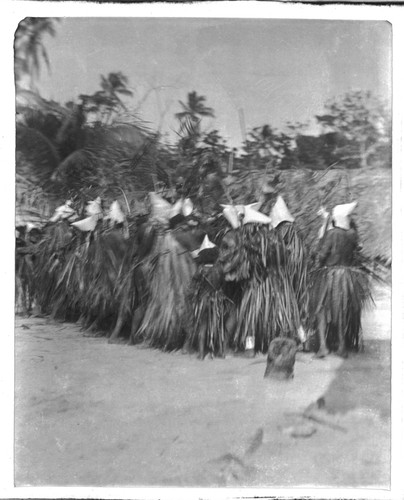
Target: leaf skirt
(210, 308)
(340, 293)
(268, 309)
(296, 265)
(169, 269)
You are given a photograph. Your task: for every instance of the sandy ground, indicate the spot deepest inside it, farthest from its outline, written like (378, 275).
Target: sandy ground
(89, 413)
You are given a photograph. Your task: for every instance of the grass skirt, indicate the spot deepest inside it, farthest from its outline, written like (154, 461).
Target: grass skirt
(268, 310)
(210, 307)
(87, 279)
(268, 306)
(296, 265)
(54, 263)
(131, 288)
(340, 293)
(170, 269)
(102, 261)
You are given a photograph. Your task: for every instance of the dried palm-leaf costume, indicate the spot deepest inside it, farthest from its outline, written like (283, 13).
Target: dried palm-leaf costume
(268, 306)
(295, 256)
(103, 261)
(113, 285)
(86, 270)
(212, 304)
(40, 250)
(75, 269)
(55, 262)
(339, 289)
(170, 267)
(131, 289)
(80, 263)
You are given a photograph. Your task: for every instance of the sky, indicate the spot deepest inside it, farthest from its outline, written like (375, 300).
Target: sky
(276, 71)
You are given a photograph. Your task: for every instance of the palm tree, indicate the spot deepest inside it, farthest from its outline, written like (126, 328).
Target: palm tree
(106, 102)
(115, 84)
(193, 112)
(29, 48)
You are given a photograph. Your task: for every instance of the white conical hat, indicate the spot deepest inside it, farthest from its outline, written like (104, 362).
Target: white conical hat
(248, 214)
(251, 214)
(94, 207)
(280, 212)
(341, 213)
(64, 212)
(181, 206)
(187, 207)
(115, 213)
(161, 209)
(88, 224)
(206, 243)
(231, 214)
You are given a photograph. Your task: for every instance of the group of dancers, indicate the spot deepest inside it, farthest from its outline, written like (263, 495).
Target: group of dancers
(204, 283)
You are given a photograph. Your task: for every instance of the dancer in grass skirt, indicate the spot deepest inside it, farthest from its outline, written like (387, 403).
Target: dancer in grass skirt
(53, 253)
(296, 261)
(212, 301)
(86, 288)
(169, 267)
(268, 306)
(79, 295)
(338, 289)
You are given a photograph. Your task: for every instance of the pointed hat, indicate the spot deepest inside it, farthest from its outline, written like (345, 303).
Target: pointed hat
(115, 213)
(88, 224)
(248, 214)
(94, 207)
(231, 214)
(161, 209)
(341, 213)
(64, 212)
(181, 206)
(280, 212)
(206, 243)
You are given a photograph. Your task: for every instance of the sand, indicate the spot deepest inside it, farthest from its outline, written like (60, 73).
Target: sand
(92, 414)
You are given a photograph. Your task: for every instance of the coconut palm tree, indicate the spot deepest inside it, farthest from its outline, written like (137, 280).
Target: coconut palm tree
(192, 113)
(114, 85)
(30, 49)
(106, 103)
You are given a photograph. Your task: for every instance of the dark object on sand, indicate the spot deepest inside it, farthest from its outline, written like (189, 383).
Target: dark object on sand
(281, 359)
(319, 413)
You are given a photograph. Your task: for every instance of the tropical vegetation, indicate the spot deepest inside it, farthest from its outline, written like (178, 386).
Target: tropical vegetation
(99, 145)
